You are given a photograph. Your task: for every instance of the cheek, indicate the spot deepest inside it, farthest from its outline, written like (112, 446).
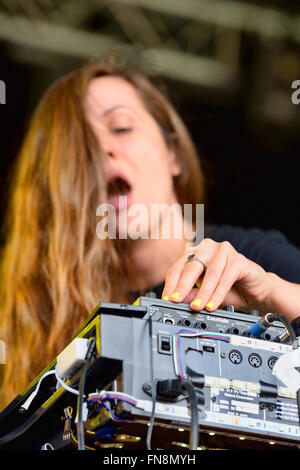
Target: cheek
(155, 187)
(152, 155)
(155, 178)
(150, 158)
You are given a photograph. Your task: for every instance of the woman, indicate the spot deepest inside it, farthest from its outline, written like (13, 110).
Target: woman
(99, 133)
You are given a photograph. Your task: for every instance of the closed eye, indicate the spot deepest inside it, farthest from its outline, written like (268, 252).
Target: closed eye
(121, 130)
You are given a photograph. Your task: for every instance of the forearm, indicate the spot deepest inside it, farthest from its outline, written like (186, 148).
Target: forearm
(284, 297)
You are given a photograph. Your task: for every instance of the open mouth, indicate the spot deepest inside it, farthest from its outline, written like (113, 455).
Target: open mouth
(118, 187)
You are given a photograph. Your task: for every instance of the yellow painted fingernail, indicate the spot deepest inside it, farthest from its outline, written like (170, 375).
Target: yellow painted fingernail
(209, 305)
(176, 295)
(165, 297)
(197, 302)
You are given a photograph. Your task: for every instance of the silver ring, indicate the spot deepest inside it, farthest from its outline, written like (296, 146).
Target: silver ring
(191, 258)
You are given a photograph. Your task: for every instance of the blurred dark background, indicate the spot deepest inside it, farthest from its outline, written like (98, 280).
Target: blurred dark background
(228, 67)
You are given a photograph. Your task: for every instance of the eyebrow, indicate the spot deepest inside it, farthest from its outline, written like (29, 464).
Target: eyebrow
(115, 108)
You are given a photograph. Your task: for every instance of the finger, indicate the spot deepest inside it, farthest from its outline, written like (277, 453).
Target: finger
(211, 277)
(184, 279)
(231, 274)
(235, 298)
(189, 276)
(226, 281)
(173, 275)
(191, 295)
(231, 298)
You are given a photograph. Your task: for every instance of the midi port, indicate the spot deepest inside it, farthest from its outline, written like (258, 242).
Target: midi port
(235, 356)
(271, 361)
(255, 360)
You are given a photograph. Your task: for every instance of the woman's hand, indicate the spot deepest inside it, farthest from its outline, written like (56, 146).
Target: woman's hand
(229, 279)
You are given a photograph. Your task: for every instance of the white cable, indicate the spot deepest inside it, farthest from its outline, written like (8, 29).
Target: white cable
(47, 446)
(111, 392)
(63, 384)
(31, 397)
(174, 356)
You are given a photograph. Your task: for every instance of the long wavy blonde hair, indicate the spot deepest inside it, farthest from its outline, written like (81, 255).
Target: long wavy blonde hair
(54, 269)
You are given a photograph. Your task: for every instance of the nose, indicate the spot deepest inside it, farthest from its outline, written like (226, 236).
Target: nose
(110, 151)
(109, 145)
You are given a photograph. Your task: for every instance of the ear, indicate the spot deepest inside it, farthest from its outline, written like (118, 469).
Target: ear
(175, 164)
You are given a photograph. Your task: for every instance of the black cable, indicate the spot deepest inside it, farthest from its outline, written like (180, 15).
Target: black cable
(80, 398)
(296, 325)
(153, 387)
(279, 317)
(192, 397)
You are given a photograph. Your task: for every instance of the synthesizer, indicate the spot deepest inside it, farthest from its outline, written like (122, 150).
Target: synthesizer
(151, 345)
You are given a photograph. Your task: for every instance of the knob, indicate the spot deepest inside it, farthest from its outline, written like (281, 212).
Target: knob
(229, 308)
(255, 313)
(151, 295)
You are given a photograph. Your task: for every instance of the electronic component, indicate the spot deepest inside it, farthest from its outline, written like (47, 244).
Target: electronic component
(72, 357)
(244, 398)
(67, 426)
